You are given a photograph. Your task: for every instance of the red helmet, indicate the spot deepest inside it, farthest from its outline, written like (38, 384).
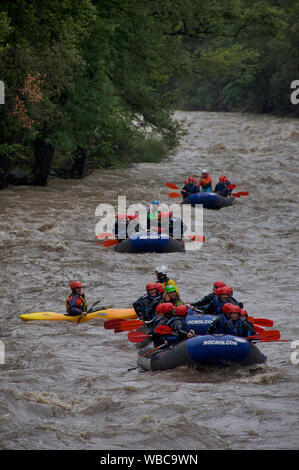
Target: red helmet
(223, 179)
(243, 312)
(181, 310)
(186, 181)
(230, 308)
(75, 284)
(226, 290)
(218, 284)
(161, 289)
(151, 285)
(164, 308)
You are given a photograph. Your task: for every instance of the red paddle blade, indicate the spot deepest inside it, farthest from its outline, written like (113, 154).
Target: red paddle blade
(196, 238)
(163, 330)
(109, 243)
(259, 329)
(128, 325)
(261, 321)
(174, 195)
(111, 324)
(137, 336)
(171, 185)
(231, 186)
(240, 193)
(105, 235)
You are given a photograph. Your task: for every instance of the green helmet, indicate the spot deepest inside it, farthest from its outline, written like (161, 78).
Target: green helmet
(170, 288)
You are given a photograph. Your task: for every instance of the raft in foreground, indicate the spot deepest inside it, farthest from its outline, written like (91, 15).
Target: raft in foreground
(149, 243)
(217, 350)
(209, 200)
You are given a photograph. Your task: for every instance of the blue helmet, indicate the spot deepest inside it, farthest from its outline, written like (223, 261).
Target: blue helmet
(155, 202)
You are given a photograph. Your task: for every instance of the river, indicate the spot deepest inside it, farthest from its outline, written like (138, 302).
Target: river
(68, 386)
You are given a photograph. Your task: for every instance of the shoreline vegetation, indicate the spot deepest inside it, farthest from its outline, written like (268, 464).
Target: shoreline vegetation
(95, 84)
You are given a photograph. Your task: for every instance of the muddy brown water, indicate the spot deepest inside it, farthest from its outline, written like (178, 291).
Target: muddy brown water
(68, 386)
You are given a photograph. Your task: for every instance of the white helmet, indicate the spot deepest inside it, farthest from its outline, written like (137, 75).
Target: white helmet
(204, 171)
(161, 269)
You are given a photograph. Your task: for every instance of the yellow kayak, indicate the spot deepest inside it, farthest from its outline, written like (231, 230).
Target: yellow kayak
(108, 314)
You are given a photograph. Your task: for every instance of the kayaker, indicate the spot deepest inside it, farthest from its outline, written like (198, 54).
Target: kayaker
(146, 305)
(162, 277)
(218, 325)
(235, 325)
(76, 303)
(174, 297)
(207, 299)
(222, 186)
(206, 182)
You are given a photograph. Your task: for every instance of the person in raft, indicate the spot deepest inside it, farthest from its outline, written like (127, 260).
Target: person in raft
(223, 295)
(235, 326)
(145, 306)
(76, 303)
(162, 277)
(219, 324)
(222, 187)
(207, 299)
(190, 187)
(173, 295)
(122, 223)
(206, 182)
(179, 326)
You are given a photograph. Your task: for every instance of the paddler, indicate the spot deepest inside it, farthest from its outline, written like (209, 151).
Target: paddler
(222, 186)
(179, 326)
(190, 187)
(206, 182)
(218, 325)
(207, 299)
(146, 305)
(235, 325)
(162, 277)
(173, 295)
(76, 303)
(164, 313)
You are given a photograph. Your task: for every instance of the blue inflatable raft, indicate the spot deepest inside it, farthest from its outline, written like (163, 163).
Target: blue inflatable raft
(216, 350)
(150, 243)
(210, 200)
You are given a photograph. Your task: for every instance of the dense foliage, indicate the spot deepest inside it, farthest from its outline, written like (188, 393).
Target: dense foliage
(96, 82)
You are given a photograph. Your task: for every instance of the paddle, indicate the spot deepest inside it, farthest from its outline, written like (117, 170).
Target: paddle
(258, 329)
(171, 185)
(109, 243)
(231, 186)
(158, 347)
(138, 336)
(172, 195)
(196, 238)
(261, 321)
(130, 325)
(240, 193)
(270, 335)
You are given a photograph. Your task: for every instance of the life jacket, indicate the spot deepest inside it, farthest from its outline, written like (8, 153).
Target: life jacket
(219, 325)
(235, 328)
(169, 282)
(205, 182)
(75, 304)
(145, 306)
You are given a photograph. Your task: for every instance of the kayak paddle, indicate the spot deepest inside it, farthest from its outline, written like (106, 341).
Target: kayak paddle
(261, 321)
(138, 336)
(171, 185)
(240, 193)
